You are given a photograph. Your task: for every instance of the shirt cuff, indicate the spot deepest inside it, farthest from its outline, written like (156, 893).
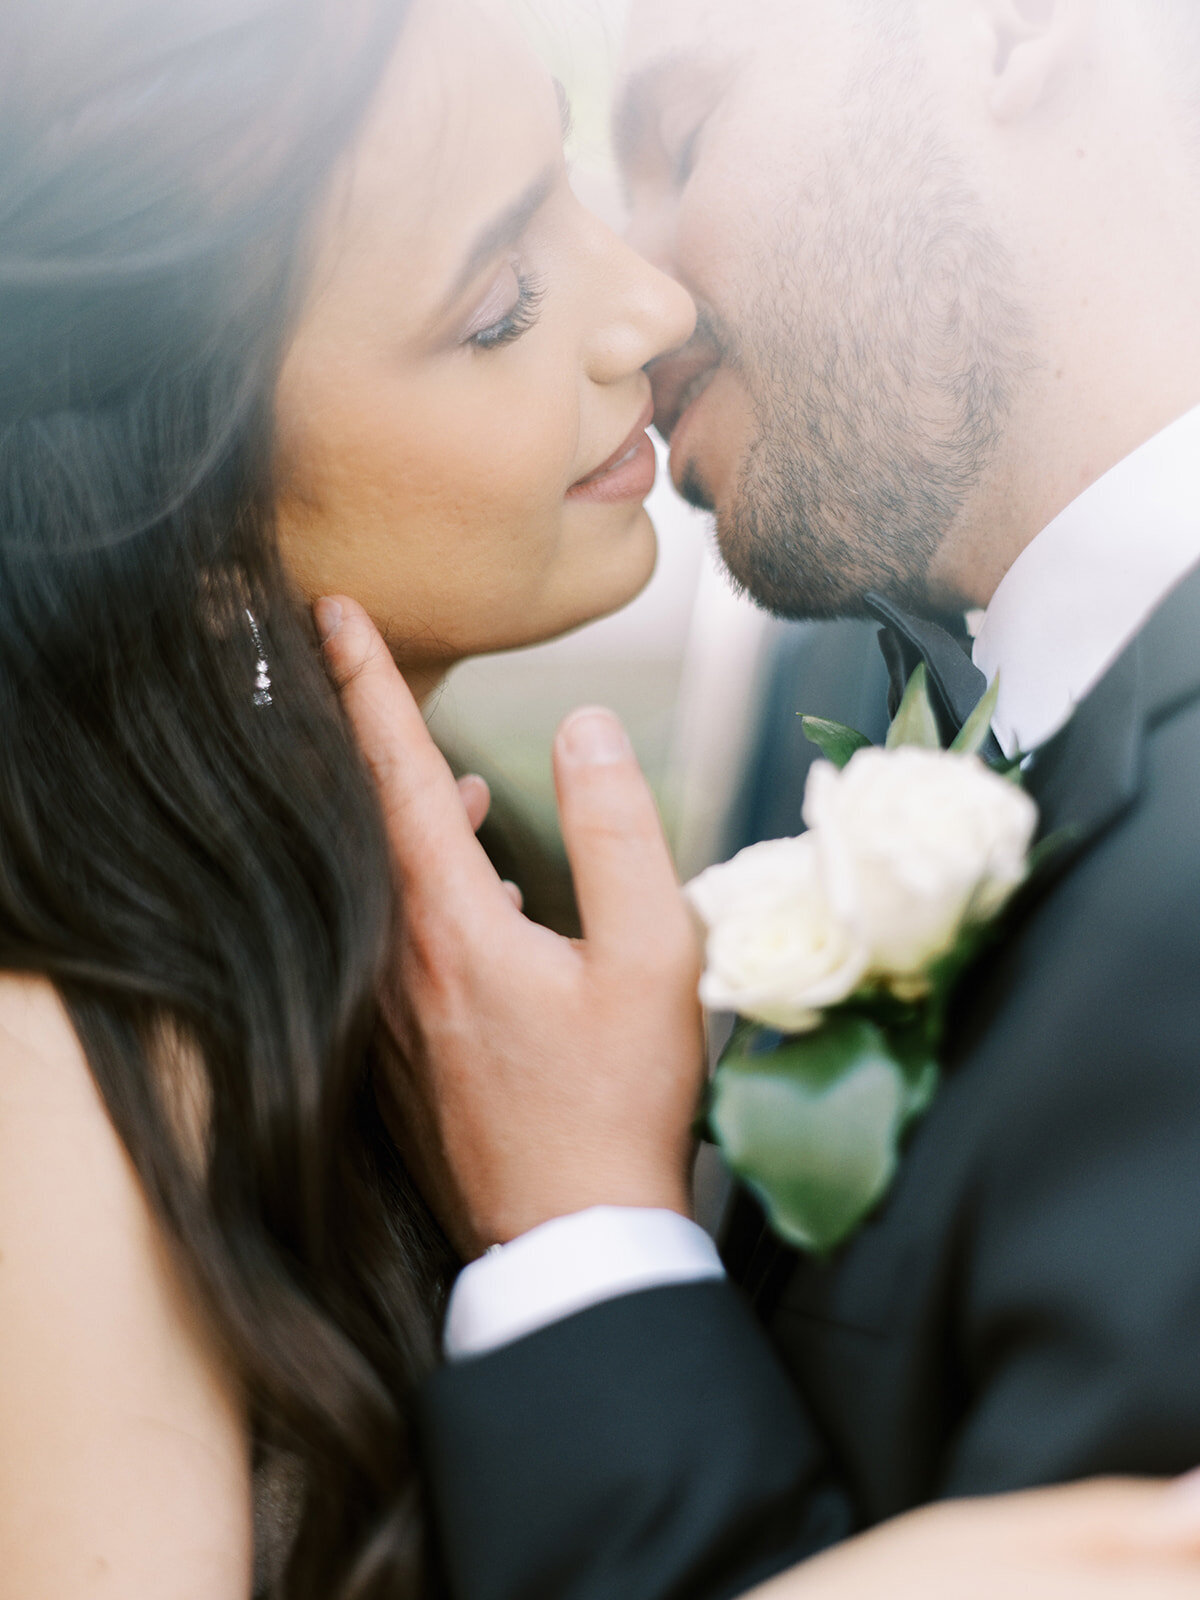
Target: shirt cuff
(567, 1265)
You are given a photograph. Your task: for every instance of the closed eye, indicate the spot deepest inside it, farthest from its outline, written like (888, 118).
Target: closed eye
(517, 321)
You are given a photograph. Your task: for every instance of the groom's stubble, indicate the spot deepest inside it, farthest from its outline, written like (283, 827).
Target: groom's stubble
(882, 340)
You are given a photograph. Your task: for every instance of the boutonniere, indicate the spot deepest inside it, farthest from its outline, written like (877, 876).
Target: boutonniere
(839, 951)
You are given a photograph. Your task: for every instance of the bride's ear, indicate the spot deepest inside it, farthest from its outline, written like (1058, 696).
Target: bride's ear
(1033, 44)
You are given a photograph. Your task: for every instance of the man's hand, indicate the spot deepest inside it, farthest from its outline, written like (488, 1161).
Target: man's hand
(533, 1076)
(1095, 1541)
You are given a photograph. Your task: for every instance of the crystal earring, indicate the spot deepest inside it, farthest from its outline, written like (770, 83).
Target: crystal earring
(262, 679)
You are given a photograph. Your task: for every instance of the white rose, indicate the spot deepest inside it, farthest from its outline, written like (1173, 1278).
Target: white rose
(916, 845)
(776, 952)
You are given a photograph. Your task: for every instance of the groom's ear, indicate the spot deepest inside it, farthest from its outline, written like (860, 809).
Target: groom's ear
(1033, 45)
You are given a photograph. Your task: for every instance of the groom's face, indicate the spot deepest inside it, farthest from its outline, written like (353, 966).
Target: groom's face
(805, 170)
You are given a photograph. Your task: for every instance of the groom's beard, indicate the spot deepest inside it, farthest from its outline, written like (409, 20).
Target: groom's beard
(882, 356)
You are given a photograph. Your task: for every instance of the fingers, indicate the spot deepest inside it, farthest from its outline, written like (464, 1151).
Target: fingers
(476, 799)
(625, 883)
(628, 894)
(432, 837)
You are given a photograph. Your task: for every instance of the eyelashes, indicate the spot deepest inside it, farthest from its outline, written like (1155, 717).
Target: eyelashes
(523, 316)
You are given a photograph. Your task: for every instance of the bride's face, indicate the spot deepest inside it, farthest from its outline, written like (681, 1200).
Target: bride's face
(458, 408)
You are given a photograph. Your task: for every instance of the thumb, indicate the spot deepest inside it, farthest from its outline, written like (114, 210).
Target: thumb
(625, 882)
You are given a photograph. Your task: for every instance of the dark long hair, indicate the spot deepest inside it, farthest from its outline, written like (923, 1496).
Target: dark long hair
(203, 878)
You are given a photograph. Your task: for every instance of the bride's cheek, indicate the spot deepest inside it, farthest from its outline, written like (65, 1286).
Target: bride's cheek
(526, 465)
(523, 411)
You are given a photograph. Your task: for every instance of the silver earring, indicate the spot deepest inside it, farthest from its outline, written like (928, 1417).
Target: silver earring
(262, 679)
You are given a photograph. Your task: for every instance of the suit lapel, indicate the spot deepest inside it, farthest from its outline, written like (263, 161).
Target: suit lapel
(1170, 646)
(1084, 780)
(754, 1258)
(1089, 774)
(955, 683)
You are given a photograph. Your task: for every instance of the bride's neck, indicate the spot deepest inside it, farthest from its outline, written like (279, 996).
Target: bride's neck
(423, 681)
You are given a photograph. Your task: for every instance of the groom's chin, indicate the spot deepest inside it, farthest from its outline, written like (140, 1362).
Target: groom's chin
(710, 441)
(694, 489)
(782, 565)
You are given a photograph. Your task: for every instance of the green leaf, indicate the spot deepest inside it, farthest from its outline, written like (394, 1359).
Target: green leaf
(973, 734)
(835, 741)
(915, 723)
(1046, 849)
(913, 1048)
(814, 1126)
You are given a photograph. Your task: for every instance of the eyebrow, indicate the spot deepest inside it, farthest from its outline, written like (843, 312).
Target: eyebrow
(502, 232)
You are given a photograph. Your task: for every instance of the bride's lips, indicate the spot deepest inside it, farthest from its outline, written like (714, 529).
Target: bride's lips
(628, 474)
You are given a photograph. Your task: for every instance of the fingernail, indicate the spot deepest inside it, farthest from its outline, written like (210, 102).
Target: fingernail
(476, 796)
(514, 894)
(328, 614)
(594, 738)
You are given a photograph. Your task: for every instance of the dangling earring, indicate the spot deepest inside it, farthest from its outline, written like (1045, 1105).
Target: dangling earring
(262, 680)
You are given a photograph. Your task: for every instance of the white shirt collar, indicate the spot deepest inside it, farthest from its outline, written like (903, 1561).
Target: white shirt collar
(1089, 582)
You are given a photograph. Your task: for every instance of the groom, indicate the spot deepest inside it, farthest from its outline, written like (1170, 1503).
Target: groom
(947, 255)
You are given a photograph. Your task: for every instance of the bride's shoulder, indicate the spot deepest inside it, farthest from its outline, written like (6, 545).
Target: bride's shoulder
(48, 1097)
(113, 1392)
(37, 1042)
(70, 1198)
(64, 1171)
(71, 1205)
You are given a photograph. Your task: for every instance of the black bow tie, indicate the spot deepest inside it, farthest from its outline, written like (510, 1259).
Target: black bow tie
(956, 684)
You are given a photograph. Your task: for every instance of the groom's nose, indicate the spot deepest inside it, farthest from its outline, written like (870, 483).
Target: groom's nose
(651, 232)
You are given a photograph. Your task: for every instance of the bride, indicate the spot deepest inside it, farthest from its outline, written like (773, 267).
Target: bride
(295, 298)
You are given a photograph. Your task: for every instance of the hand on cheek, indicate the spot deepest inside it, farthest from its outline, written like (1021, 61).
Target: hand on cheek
(531, 1076)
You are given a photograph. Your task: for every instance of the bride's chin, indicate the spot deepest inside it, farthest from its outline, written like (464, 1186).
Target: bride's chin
(611, 587)
(596, 589)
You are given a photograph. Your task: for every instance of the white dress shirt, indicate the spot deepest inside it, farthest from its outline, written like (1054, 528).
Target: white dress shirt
(1088, 584)
(1067, 608)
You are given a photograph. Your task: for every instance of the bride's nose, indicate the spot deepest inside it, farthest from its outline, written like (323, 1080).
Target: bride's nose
(638, 313)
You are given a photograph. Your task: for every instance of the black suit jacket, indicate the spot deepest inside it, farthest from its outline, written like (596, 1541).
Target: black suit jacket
(1024, 1307)
(832, 669)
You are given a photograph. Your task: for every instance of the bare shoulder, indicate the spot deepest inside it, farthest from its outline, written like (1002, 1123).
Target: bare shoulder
(60, 1158)
(123, 1459)
(57, 1146)
(36, 1034)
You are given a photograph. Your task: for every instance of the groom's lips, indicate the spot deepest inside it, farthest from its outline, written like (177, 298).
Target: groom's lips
(678, 381)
